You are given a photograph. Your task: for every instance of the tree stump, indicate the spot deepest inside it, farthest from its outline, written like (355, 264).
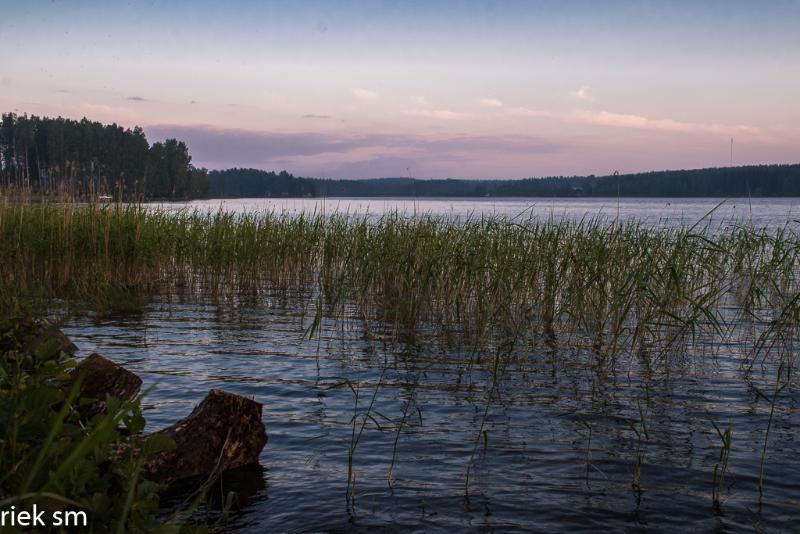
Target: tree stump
(223, 432)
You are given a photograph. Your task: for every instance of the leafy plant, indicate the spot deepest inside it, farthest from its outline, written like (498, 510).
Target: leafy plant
(52, 456)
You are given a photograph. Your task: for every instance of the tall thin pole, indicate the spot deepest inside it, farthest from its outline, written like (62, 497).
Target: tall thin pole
(731, 151)
(414, 187)
(616, 173)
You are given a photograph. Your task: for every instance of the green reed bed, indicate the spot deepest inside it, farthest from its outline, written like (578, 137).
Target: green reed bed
(610, 288)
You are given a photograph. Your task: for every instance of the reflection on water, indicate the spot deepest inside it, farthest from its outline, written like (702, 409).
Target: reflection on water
(555, 450)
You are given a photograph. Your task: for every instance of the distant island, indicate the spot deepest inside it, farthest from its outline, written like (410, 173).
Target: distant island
(85, 158)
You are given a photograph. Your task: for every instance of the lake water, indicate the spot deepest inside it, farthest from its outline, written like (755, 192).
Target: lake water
(555, 449)
(770, 212)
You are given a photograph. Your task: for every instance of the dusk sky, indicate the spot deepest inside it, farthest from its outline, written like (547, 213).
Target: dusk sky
(432, 89)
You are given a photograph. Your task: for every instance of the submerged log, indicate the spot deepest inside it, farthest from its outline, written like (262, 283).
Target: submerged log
(223, 432)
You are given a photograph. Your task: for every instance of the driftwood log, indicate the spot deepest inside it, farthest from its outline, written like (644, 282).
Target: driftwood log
(223, 432)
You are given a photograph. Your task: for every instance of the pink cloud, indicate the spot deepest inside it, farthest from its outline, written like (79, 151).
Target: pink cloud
(491, 102)
(639, 122)
(364, 94)
(441, 114)
(584, 94)
(623, 120)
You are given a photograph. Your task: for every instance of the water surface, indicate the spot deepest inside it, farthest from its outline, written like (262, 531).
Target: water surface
(552, 448)
(769, 212)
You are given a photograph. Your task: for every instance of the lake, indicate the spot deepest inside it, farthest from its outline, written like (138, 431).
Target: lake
(769, 212)
(554, 447)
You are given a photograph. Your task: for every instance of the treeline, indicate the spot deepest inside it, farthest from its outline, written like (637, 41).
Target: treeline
(85, 158)
(253, 183)
(751, 180)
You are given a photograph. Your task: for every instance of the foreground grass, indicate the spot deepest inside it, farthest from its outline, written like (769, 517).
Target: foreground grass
(55, 457)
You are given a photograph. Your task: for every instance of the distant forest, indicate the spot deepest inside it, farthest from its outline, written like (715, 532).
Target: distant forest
(751, 180)
(85, 158)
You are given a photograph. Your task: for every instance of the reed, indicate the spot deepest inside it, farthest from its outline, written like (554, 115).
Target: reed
(772, 401)
(721, 467)
(611, 289)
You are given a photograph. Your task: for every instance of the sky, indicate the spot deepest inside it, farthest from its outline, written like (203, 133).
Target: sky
(430, 89)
